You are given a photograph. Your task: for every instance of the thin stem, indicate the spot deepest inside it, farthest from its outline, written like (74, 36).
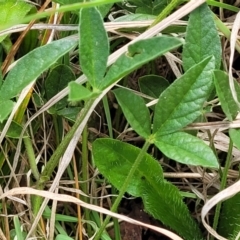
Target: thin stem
(223, 184)
(124, 187)
(85, 174)
(166, 11)
(54, 160)
(31, 157)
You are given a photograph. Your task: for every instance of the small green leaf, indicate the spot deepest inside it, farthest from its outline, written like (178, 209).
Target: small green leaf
(230, 217)
(224, 93)
(153, 85)
(78, 92)
(69, 113)
(149, 7)
(114, 159)
(6, 108)
(57, 80)
(11, 11)
(185, 148)
(93, 45)
(135, 17)
(29, 67)
(164, 202)
(14, 131)
(202, 38)
(135, 111)
(63, 237)
(235, 136)
(138, 54)
(182, 102)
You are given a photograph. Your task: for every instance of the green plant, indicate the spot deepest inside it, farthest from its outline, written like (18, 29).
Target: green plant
(161, 127)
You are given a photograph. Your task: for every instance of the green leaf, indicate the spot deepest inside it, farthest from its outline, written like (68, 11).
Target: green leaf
(138, 54)
(14, 131)
(182, 102)
(224, 93)
(78, 92)
(135, 111)
(164, 202)
(202, 38)
(149, 7)
(114, 159)
(185, 148)
(235, 136)
(230, 217)
(119, 157)
(69, 113)
(6, 108)
(153, 85)
(134, 17)
(93, 45)
(29, 67)
(11, 11)
(63, 237)
(57, 80)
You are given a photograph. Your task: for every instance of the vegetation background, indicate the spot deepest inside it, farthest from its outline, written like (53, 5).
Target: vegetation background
(119, 119)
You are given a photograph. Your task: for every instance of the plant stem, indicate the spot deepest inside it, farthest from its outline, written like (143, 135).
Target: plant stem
(166, 11)
(31, 157)
(55, 158)
(124, 187)
(85, 175)
(223, 185)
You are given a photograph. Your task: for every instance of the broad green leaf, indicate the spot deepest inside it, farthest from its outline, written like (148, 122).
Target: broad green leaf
(164, 202)
(138, 54)
(114, 159)
(93, 45)
(6, 108)
(152, 85)
(57, 80)
(235, 136)
(78, 92)
(135, 111)
(119, 157)
(230, 218)
(224, 93)
(202, 38)
(29, 67)
(182, 102)
(185, 148)
(11, 11)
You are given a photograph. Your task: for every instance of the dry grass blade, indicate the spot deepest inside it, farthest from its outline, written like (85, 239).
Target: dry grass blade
(233, 39)
(221, 196)
(67, 198)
